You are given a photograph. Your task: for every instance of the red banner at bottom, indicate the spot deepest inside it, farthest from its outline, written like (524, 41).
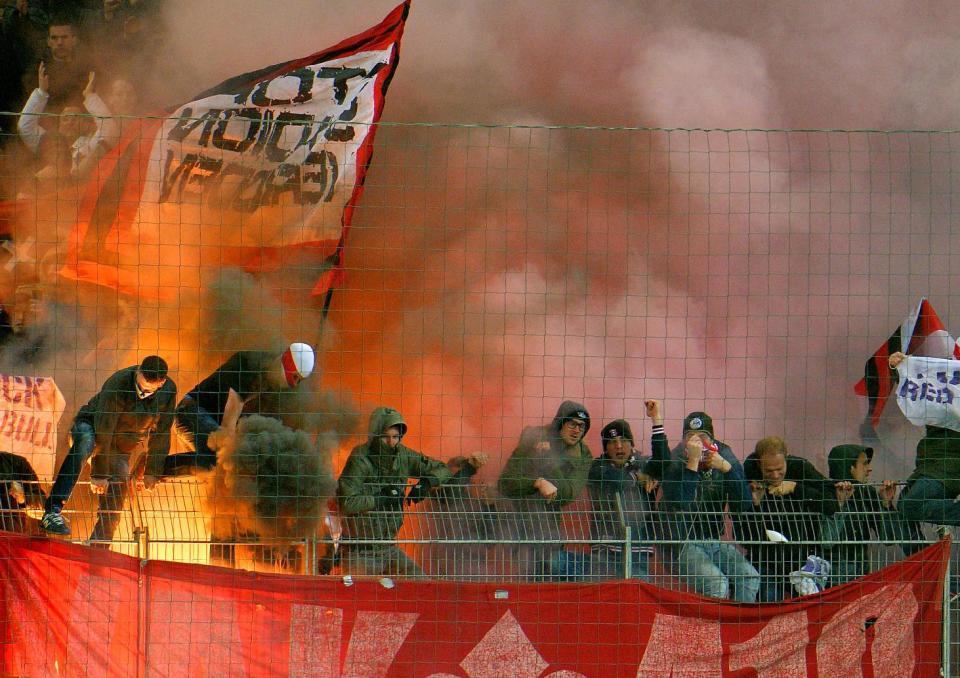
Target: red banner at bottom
(70, 611)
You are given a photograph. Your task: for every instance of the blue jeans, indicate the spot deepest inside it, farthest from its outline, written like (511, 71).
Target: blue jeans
(609, 564)
(194, 425)
(83, 441)
(562, 565)
(110, 503)
(718, 570)
(927, 500)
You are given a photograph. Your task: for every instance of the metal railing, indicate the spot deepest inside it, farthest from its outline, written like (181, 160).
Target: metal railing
(473, 538)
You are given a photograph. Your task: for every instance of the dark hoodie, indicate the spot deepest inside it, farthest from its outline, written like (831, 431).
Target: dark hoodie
(938, 457)
(863, 518)
(565, 466)
(374, 466)
(797, 516)
(607, 481)
(697, 500)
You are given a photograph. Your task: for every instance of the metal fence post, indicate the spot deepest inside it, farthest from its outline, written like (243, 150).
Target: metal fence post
(627, 552)
(946, 649)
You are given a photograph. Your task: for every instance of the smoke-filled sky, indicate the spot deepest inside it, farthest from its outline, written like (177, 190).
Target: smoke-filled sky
(496, 272)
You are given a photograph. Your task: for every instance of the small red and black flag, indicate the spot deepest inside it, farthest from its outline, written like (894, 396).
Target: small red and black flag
(878, 381)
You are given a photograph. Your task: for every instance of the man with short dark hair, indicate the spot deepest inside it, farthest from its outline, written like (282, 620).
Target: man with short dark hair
(254, 375)
(130, 417)
(868, 516)
(67, 68)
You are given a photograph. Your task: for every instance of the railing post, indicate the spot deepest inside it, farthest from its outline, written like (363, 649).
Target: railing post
(627, 553)
(143, 542)
(946, 650)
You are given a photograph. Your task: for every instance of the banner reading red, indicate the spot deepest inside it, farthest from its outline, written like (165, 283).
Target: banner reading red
(72, 610)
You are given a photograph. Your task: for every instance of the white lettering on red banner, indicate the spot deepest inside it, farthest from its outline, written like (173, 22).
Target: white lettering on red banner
(77, 610)
(30, 409)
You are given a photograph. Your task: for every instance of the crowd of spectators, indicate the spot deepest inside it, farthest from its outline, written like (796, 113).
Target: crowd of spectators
(765, 530)
(66, 67)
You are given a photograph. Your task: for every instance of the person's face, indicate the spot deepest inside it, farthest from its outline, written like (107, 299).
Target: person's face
(773, 467)
(391, 437)
(572, 431)
(695, 441)
(62, 41)
(122, 98)
(618, 450)
(860, 471)
(110, 6)
(147, 387)
(22, 6)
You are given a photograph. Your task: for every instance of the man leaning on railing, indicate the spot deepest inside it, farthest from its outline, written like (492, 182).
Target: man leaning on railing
(620, 473)
(547, 471)
(372, 490)
(790, 498)
(703, 482)
(869, 515)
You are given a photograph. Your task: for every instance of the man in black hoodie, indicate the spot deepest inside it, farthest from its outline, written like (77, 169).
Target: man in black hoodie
(258, 377)
(701, 483)
(619, 473)
(933, 487)
(547, 471)
(868, 516)
(790, 498)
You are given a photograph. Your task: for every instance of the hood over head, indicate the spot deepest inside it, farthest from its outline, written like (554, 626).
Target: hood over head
(570, 410)
(383, 418)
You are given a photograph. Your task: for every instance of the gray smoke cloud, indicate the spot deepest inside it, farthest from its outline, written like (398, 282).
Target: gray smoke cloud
(270, 481)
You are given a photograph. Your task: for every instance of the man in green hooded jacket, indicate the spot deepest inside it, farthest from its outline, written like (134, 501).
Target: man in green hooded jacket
(547, 471)
(372, 491)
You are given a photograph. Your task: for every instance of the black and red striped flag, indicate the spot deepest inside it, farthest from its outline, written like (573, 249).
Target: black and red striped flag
(928, 336)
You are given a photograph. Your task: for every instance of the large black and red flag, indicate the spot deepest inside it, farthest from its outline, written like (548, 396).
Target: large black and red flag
(263, 169)
(926, 333)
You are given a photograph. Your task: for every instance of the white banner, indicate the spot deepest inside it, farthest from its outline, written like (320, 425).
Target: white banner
(30, 409)
(929, 391)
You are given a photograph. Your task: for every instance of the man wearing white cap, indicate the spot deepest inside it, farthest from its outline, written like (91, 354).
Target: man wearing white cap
(251, 374)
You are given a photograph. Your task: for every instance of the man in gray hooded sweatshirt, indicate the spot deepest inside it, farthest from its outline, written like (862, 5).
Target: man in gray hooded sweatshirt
(372, 490)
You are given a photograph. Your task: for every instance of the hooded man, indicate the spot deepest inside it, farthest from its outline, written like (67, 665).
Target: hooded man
(703, 482)
(547, 471)
(371, 492)
(255, 376)
(868, 516)
(620, 474)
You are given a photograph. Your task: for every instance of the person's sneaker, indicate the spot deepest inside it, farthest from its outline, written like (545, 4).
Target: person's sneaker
(54, 523)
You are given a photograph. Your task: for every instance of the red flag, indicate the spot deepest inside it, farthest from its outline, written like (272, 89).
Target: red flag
(264, 169)
(923, 325)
